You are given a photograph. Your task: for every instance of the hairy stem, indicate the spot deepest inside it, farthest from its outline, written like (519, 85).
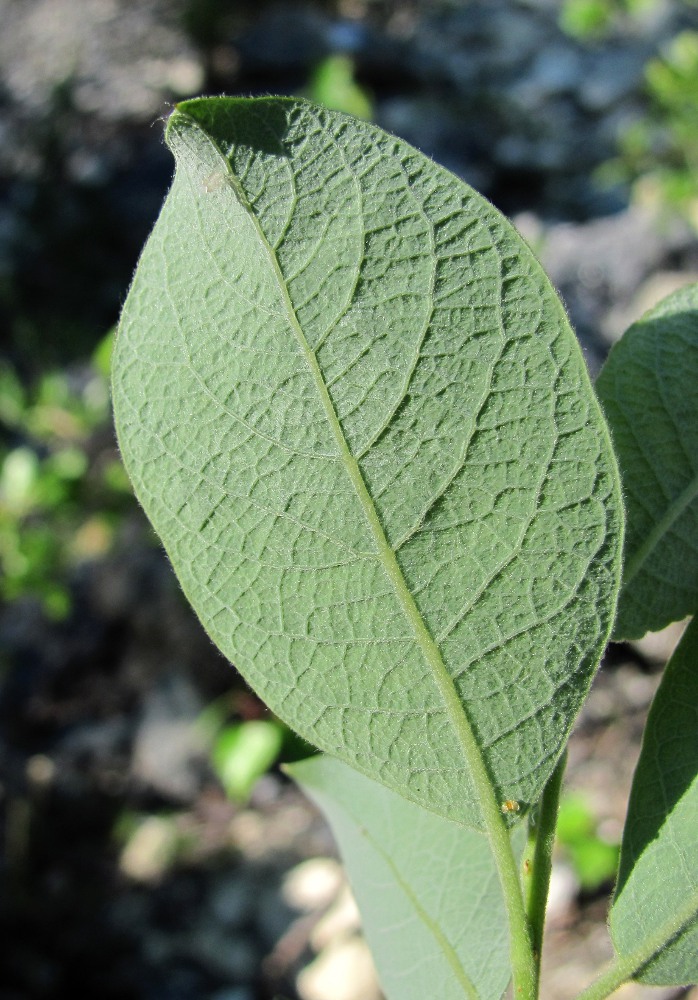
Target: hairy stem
(538, 858)
(523, 962)
(625, 967)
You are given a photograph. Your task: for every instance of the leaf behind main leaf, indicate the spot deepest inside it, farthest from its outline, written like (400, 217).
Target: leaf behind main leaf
(649, 390)
(427, 888)
(656, 897)
(352, 406)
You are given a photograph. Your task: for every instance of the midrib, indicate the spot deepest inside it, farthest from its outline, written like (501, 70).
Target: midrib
(455, 710)
(665, 523)
(448, 951)
(668, 932)
(425, 640)
(523, 964)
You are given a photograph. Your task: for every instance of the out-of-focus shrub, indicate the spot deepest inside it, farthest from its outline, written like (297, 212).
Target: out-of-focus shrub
(333, 84)
(62, 486)
(591, 20)
(593, 858)
(659, 153)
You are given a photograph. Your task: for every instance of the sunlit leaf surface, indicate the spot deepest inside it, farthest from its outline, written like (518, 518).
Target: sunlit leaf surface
(353, 408)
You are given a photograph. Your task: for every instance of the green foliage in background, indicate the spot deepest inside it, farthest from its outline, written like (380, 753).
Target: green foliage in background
(594, 860)
(61, 490)
(353, 408)
(242, 747)
(593, 20)
(243, 752)
(333, 84)
(659, 152)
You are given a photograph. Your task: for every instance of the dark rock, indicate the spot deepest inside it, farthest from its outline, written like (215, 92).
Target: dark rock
(557, 69)
(610, 76)
(168, 749)
(233, 993)
(233, 899)
(284, 39)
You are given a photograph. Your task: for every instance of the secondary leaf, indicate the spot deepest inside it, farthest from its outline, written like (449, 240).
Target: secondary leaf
(657, 894)
(648, 388)
(431, 902)
(352, 406)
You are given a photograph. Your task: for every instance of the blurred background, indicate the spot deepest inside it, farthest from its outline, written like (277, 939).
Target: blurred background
(151, 847)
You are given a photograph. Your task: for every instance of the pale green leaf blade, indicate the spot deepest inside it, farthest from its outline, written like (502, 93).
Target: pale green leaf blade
(354, 410)
(649, 390)
(428, 891)
(656, 900)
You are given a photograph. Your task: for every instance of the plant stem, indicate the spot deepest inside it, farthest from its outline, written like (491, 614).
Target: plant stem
(607, 983)
(624, 967)
(523, 964)
(538, 858)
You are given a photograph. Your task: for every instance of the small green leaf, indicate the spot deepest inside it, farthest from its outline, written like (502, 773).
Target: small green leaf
(428, 891)
(333, 85)
(19, 476)
(656, 900)
(594, 860)
(649, 390)
(13, 400)
(102, 354)
(352, 406)
(242, 753)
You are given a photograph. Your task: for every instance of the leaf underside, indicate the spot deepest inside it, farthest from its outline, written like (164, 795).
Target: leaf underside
(352, 406)
(431, 902)
(657, 892)
(649, 390)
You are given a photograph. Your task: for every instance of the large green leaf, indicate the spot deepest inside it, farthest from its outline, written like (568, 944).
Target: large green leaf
(649, 390)
(352, 406)
(656, 899)
(427, 888)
